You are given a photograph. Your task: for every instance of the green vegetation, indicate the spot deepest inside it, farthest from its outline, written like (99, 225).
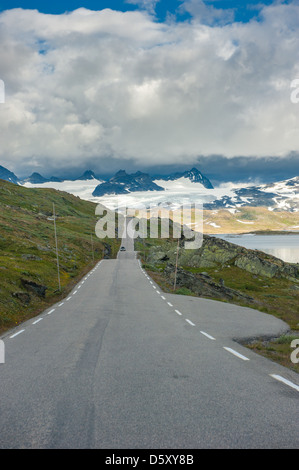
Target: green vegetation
(259, 219)
(28, 269)
(278, 350)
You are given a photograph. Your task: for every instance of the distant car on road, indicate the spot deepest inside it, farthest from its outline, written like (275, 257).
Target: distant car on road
(122, 248)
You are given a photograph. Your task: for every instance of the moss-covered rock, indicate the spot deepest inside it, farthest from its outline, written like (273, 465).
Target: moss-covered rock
(256, 265)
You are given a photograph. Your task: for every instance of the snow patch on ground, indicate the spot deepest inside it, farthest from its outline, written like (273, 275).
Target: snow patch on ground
(243, 222)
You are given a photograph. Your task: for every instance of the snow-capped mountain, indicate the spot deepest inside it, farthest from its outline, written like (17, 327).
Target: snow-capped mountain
(87, 175)
(283, 195)
(124, 183)
(194, 175)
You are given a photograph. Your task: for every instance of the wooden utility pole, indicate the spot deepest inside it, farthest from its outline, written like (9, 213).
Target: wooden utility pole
(144, 252)
(176, 264)
(57, 257)
(92, 247)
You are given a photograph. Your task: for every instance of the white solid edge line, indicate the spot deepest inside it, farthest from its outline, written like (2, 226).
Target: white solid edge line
(285, 381)
(236, 353)
(35, 322)
(16, 334)
(178, 312)
(190, 322)
(207, 335)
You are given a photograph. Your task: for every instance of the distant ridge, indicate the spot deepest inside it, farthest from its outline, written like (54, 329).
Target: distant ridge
(35, 178)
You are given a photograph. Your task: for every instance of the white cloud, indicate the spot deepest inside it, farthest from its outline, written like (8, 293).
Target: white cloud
(148, 5)
(207, 14)
(121, 85)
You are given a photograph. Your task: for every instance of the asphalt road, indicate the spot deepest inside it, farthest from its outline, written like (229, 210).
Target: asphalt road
(120, 365)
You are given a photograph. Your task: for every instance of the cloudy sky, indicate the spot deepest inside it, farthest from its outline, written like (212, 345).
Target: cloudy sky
(145, 84)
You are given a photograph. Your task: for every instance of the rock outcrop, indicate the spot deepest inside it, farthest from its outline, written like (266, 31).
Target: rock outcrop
(203, 285)
(32, 286)
(216, 252)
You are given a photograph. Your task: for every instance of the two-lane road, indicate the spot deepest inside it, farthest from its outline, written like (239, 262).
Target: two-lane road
(119, 364)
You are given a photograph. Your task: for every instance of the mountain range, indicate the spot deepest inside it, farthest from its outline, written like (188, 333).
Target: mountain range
(120, 183)
(282, 195)
(169, 189)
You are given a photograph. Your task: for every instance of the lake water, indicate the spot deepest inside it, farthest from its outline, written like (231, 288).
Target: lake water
(285, 247)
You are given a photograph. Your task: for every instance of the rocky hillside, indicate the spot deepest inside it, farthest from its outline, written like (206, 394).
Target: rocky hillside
(216, 252)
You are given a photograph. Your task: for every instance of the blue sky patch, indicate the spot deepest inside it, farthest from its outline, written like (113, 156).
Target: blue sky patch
(163, 9)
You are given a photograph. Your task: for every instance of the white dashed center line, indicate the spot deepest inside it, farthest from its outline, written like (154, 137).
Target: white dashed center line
(236, 353)
(37, 321)
(178, 312)
(285, 381)
(206, 334)
(190, 322)
(16, 334)
(51, 311)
